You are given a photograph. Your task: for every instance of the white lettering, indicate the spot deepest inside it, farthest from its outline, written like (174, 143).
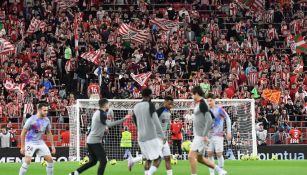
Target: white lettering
(301, 156)
(286, 155)
(10, 160)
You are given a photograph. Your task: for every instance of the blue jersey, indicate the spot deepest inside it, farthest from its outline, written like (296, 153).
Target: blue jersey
(36, 127)
(218, 125)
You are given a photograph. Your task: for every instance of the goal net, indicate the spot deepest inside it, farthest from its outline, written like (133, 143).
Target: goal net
(241, 112)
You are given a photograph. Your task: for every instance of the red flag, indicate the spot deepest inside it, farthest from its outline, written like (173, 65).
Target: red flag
(133, 34)
(93, 56)
(141, 78)
(10, 86)
(6, 47)
(35, 25)
(164, 24)
(65, 4)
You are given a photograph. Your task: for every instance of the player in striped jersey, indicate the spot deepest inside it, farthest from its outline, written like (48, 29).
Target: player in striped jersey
(202, 123)
(216, 134)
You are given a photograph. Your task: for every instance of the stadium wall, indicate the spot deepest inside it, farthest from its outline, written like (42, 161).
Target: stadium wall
(283, 152)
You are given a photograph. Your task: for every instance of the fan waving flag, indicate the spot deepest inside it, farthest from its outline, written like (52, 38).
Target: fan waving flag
(93, 56)
(164, 24)
(6, 47)
(141, 78)
(300, 44)
(35, 25)
(128, 32)
(271, 95)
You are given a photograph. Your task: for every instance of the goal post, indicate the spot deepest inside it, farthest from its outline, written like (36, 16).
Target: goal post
(241, 112)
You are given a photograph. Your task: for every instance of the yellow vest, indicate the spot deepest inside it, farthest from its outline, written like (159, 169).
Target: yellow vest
(126, 140)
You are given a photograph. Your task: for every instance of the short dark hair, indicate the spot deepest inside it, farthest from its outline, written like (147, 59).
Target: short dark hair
(168, 98)
(198, 90)
(210, 95)
(146, 92)
(102, 102)
(3, 127)
(42, 104)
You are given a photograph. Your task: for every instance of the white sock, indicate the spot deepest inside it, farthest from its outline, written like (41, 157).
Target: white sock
(76, 173)
(217, 168)
(137, 159)
(169, 172)
(221, 162)
(193, 174)
(49, 168)
(211, 171)
(151, 170)
(23, 169)
(146, 172)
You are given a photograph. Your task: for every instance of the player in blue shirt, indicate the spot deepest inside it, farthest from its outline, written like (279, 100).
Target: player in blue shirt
(32, 141)
(216, 134)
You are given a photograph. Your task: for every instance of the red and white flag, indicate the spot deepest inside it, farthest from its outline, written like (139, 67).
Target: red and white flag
(256, 5)
(10, 86)
(35, 25)
(93, 56)
(141, 78)
(164, 24)
(65, 4)
(6, 47)
(133, 34)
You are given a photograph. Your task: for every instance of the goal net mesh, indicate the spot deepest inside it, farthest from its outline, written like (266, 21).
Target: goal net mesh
(241, 113)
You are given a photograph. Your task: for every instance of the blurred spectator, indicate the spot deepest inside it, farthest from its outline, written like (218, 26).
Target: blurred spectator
(295, 135)
(65, 137)
(176, 136)
(261, 135)
(5, 137)
(280, 136)
(283, 121)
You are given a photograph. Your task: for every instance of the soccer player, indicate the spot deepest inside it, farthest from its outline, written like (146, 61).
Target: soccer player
(216, 134)
(202, 123)
(150, 132)
(31, 139)
(94, 139)
(164, 115)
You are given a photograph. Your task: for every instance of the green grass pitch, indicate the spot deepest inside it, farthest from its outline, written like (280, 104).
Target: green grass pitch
(268, 167)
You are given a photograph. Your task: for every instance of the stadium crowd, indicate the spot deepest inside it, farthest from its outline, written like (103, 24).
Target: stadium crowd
(227, 48)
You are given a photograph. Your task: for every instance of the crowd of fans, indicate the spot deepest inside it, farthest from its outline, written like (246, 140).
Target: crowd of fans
(230, 50)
